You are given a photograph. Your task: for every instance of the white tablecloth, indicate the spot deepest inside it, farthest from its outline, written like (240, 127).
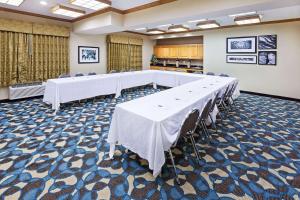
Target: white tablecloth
(149, 126)
(64, 90)
(76, 88)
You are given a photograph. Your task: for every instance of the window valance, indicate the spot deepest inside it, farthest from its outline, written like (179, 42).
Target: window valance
(33, 28)
(120, 39)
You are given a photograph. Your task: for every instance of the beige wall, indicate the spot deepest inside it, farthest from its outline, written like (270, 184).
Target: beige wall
(87, 40)
(282, 80)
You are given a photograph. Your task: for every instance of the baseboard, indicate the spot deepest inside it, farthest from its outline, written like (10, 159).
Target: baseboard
(270, 95)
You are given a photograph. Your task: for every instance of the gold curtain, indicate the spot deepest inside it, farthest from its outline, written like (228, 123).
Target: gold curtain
(50, 57)
(135, 57)
(124, 53)
(28, 58)
(8, 58)
(14, 58)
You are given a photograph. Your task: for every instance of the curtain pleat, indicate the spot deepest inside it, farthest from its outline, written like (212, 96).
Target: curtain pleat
(123, 57)
(28, 58)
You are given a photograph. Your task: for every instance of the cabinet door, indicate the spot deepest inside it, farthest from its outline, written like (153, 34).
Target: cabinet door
(173, 52)
(184, 51)
(196, 51)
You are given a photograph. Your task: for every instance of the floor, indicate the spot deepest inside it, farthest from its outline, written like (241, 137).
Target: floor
(254, 155)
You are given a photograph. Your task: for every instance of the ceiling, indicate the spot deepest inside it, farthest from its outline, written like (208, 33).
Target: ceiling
(285, 10)
(34, 6)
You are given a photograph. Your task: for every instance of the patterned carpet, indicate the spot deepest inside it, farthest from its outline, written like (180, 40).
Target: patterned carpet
(254, 155)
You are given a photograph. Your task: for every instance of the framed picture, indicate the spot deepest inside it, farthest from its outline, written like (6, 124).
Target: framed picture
(241, 44)
(88, 54)
(267, 42)
(241, 59)
(267, 57)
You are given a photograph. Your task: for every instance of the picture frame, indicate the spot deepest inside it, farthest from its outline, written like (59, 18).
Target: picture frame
(88, 54)
(267, 42)
(267, 57)
(241, 59)
(241, 45)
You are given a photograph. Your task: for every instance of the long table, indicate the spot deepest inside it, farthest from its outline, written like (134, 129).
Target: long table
(149, 125)
(65, 90)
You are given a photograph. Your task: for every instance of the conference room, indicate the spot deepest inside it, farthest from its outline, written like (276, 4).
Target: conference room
(149, 99)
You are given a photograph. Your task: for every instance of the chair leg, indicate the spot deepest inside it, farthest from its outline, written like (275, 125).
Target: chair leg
(213, 123)
(205, 129)
(195, 148)
(173, 163)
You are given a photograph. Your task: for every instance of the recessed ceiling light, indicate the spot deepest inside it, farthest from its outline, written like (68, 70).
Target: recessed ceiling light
(198, 20)
(44, 3)
(178, 28)
(92, 4)
(140, 29)
(12, 2)
(155, 31)
(243, 14)
(208, 24)
(164, 25)
(67, 11)
(249, 19)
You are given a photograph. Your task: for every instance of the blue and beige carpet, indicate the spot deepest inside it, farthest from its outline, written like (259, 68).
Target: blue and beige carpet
(254, 155)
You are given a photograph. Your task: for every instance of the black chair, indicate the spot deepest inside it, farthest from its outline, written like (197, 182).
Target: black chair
(79, 74)
(92, 73)
(221, 100)
(187, 131)
(210, 73)
(213, 104)
(113, 71)
(204, 115)
(64, 76)
(229, 97)
(224, 75)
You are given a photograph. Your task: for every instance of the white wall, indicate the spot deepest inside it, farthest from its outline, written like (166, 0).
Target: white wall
(282, 80)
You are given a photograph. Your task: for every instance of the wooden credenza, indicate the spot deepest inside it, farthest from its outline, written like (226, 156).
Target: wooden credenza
(188, 51)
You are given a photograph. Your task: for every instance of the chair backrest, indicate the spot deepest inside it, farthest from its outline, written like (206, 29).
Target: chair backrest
(189, 124)
(210, 73)
(230, 91)
(79, 74)
(213, 104)
(92, 73)
(206, 110)
(225, 94)
(233, 89)
(224, 75)
(64, 76)
(112, 71)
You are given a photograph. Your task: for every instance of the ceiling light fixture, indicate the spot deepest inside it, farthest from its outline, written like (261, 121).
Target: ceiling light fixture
(178, 28)
(196, 21)
(92, 4)
(155, 31)
(12, 2)
(140, 29)
(243, 14)
(208, 24)
(164, 25)
(250, 19)
(44, 3)
(67, 11)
